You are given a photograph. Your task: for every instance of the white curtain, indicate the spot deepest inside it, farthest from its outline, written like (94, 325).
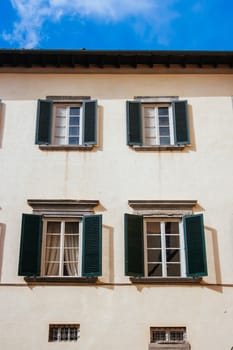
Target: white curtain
(71, 248)
(52, 255)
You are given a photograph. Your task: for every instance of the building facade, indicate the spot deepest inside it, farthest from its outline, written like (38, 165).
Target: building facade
(116, 200)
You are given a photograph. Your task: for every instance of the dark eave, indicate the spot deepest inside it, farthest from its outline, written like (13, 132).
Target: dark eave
(114, 59)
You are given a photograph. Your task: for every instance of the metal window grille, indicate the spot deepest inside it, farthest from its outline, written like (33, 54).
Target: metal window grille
(168, 334)
(63, 332)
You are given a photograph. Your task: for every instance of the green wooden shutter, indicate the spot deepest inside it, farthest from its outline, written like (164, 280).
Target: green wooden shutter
(134, 123)
(181, 122)
(44, 121)
(30, 245)
(90, 122)
(134, 245)
(195, 246)
(92, 245)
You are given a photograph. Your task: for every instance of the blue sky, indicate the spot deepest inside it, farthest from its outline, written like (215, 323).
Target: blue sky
(117, 24)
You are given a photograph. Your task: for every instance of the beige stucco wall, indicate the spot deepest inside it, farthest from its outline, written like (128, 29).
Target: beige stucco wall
(118, 316)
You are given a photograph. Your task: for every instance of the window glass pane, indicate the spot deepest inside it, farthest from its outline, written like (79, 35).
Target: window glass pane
(163, 121)
(72, 227)
(73, 131)
(60, 132)
(173, 255)
(61, 111)
(154, 241)
(150, 141)
(149, 132)
(158, 336)
(74, 120)
(154, 255)
(164, 131)
(53, 227)
(64, 333)
(73, 140)
(73, 334)
(172, 228)
(176, 336)
(74, 110)
(153, 227)
(163, 111)
(60, 121)
(173, 270)
(172, 241)
(155, 270)
(149, 122)
(149, 111)
(165, 140)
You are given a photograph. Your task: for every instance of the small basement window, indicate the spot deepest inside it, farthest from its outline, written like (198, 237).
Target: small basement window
(168, 334)
(63, 332)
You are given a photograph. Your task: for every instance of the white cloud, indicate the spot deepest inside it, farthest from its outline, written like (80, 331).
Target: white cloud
(33, 14)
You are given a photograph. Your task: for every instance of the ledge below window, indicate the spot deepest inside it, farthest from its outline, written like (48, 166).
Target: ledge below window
(66, 147)
(61, 280)
(159, 148)
(165, 280)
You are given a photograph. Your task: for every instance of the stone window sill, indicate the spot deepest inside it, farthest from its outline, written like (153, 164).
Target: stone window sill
(60, 280)
(159, 148)
(168, 280)
(66, 147)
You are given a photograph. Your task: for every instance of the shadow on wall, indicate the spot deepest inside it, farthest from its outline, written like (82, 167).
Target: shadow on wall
(2, 238)
(2, 122)
(108, 254)
(213, 261)
(192, 146)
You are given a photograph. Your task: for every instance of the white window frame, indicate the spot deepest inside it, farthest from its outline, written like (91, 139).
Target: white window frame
(162, 222)
(62, 220)
(156, 106)
(67, 106)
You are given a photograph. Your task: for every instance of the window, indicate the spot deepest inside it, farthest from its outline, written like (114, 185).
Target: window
(157, 124)
(63, 332)
(66, 123)
(167, 334)
(164, 338)
(164, 248)
(67, 128)
(166, 242)
(61, 248)
(54, 245)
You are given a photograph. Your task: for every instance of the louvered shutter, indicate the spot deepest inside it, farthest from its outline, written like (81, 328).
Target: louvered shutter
(134, 245)
(181, 122)
(30, 245)
(92, 245)
(134, 123)
(90, 122)
(195, 250)
(44, 121)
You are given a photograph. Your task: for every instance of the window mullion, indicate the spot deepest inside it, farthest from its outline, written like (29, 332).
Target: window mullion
(145, 248)
(81, 124)
(171, 126)
(182, 250)
(62, 243)
(67, 125)
(156, 116)
(44, 247)
(163, 249)
(80, 260)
